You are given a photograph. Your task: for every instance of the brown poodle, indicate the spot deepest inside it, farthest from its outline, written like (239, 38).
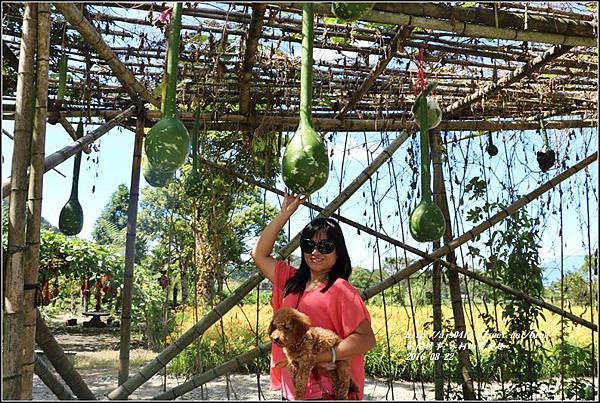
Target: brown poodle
(301, 343)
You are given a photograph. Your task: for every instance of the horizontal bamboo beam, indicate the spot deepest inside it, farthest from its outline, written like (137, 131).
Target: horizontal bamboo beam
(465, 29)
(68, 151)
(332, 124)
(93, 38)
(71, 131)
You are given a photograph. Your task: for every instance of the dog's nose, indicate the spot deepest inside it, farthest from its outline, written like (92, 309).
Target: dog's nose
(275, 339)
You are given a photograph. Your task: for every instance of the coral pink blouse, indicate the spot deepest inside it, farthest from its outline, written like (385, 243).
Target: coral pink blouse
(339, 309)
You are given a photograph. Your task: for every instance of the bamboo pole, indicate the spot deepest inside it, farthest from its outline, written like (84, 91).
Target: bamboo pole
(436, 283)
(487, 16)
(222, 369)
(353, 125)
(91, 36)
(418, 252)
(458, 313)
(409, 270)
(178, 345)
(12, 320)
(130, 248)
(52, 382)
(388, 54)
(62, 364)
(254, 31)
(34, 202)
(71, 131)
(466, 29)
(514, 76)
(68, 151)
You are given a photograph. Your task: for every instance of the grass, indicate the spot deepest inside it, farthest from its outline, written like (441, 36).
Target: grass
(108, 359)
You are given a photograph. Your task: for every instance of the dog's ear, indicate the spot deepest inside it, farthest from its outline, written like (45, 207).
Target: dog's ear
(271, 328)
(301, 322)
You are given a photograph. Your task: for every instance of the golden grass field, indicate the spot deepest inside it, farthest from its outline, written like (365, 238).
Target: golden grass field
(242, 320)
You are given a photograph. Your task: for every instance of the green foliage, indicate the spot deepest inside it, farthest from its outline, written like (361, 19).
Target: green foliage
(576, 284)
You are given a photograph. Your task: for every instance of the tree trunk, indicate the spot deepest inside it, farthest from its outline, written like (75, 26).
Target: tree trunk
(59, 360)
(184, 282)
(12, 321)
(453, 280)
(34, 207)
(130, 248)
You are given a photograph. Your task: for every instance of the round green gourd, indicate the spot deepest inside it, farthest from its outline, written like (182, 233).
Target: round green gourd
(168, 142)
(305, 163)
(546, 157)
(351, 11)
(70, 220)
(153, 176)
(427, 223)
(434, 113)
(491, 149)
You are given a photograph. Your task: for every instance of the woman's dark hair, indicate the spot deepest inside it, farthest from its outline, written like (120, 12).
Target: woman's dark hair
(342, 267)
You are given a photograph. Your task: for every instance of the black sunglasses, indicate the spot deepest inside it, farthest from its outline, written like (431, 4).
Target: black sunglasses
(325, 246)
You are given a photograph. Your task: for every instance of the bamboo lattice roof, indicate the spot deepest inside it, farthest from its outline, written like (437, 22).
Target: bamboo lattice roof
(363, 72)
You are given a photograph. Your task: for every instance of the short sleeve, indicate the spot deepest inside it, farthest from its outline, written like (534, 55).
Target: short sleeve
(283, 272)
(349, 309)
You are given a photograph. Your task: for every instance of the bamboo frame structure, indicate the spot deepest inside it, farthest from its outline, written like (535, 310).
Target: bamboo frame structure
(34, 202)
(12, 319)
(536, 82)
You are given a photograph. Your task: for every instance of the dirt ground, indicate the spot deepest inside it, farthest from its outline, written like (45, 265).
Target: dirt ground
(96, 360)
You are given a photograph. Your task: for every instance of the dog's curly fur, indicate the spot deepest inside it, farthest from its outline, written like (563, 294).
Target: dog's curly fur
(301, 343)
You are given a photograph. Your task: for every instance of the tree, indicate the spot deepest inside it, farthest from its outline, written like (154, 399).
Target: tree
(111, 226)
(576, 286)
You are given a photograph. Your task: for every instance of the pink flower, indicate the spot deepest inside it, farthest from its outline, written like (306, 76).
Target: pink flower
(165, 16)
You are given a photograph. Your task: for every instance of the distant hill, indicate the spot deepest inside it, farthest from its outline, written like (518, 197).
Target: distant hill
(551, 267)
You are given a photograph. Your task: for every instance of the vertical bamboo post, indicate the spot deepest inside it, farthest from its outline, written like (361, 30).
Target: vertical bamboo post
(436, 284)
(454, 283)
(12, 320)
(134, 191)
(34, 202)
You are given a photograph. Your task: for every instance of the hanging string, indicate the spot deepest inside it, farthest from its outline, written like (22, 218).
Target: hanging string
(391, 167)
(256, 335)
(562, 294)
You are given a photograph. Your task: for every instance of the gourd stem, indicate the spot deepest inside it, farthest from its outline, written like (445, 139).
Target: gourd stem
(425, 159)
(172, 61)
(307, 64)
(195, 140)
(544, 133)
(76, 165)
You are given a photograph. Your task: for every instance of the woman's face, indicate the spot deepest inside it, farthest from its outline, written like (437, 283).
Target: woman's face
(318, 262)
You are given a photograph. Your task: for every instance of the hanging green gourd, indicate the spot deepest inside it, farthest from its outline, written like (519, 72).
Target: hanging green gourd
(427, 221)
(351, 11)
(491, 149)
(153, 176)
(70, 220)
(54, 113)
(546, 157)
(305, 163)
(168, 141)
(193, 182)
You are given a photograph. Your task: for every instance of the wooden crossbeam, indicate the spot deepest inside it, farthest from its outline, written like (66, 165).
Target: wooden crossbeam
(95, 41)
(254, 31)
(388, 54)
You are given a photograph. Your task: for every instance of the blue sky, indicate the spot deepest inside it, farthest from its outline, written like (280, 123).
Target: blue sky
(114, 167)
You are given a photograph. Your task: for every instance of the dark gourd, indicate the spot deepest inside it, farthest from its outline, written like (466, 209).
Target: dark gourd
(305, 164)
(70, 220)
(168, 141)
(193, 182)
(351, 11)
(427, 221)
(546, 157)
(491, 149)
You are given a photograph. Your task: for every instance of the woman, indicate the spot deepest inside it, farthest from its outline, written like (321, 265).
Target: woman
(319, 289)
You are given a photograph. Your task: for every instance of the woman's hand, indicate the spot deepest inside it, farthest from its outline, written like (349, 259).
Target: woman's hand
(291, 202)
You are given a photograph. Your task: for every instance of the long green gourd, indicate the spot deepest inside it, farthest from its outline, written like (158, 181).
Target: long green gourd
(70, 220)
(193, 182)
(168, 141)
(305, 164)
(427, 221)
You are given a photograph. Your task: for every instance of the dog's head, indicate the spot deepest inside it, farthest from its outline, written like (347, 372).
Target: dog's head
(288, 326)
